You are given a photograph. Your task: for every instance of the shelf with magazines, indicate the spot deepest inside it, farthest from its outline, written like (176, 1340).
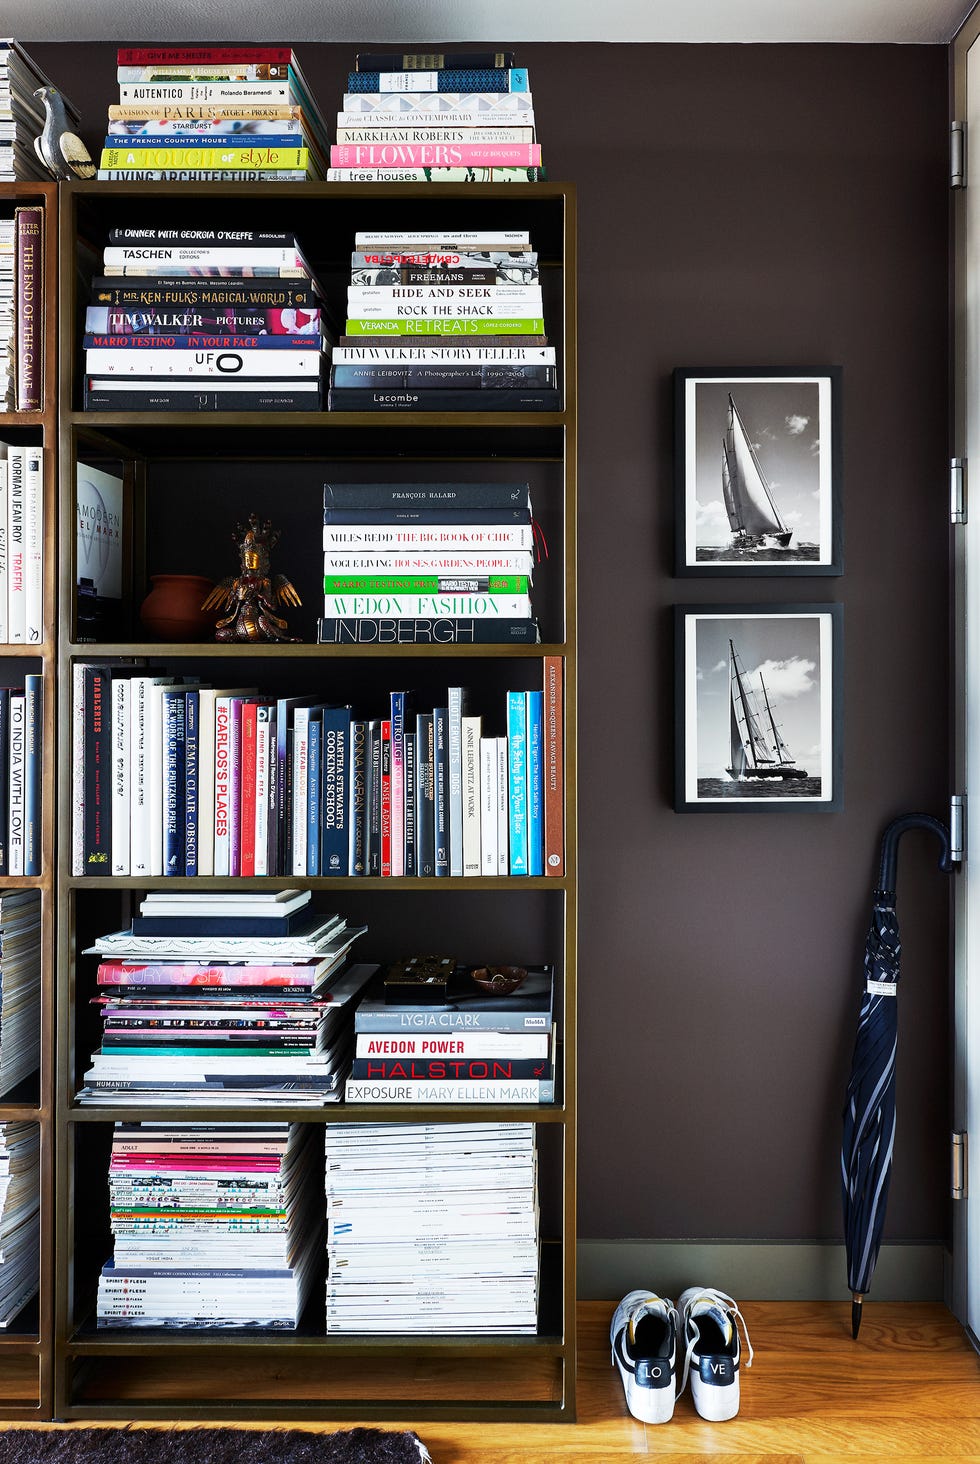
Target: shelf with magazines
(28, 462)
(176, 481)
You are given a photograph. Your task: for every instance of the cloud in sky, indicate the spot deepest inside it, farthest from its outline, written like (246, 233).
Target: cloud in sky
(787, 679)
(796, 423)
(711, 524)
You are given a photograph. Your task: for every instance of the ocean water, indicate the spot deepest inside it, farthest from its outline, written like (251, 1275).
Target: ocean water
(769, 554)
(758, 788)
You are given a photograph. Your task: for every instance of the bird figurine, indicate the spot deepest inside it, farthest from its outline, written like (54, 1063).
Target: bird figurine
(61, 151)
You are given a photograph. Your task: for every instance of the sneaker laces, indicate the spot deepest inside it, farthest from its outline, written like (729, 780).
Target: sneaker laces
(724, 1309)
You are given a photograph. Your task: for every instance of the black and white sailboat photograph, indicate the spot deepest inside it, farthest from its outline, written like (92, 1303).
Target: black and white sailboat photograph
(758, 706)
(757, 473)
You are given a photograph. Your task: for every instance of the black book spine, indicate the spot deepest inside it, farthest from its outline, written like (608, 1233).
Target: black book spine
(497, 375)
(4, 779)
(97, 734)
(160, 399)
(414, 496)
(434, 60)
(175, 785)
(358, 797)
(424, 808)
(432, 513)
(170, 294)
(440, 789)
(406, 630)
(358, 399)
(33, 741)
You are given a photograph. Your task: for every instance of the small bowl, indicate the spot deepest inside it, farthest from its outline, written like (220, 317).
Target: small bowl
(499, 980)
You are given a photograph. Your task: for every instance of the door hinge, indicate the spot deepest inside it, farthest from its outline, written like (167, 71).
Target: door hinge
(957, 490)
(958, 1181)
(957, 827)
(957, 155)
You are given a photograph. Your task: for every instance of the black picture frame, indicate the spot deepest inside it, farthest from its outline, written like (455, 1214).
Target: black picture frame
(758, 713)
(780, 449)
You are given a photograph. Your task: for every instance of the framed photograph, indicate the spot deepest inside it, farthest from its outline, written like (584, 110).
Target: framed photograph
(758, 707)
(758, 477)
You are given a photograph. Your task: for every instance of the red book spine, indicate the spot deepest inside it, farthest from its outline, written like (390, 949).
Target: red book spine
(203, 55)
(30, 307)
(249, 712)
(386, 798)
(554, 790)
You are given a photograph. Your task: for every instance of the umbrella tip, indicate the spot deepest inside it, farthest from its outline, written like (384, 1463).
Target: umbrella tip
(857, 1298)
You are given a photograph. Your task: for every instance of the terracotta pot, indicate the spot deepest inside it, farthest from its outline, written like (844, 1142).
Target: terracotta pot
(172, 610)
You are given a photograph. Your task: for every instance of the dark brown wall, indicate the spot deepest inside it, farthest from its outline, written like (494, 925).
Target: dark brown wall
(744, 206)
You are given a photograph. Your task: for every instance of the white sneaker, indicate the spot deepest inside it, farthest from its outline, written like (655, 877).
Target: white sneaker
(712, 1355)
(643, 1334)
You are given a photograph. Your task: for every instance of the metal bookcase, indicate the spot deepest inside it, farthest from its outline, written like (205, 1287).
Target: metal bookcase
(187, 478)
(26, 1379)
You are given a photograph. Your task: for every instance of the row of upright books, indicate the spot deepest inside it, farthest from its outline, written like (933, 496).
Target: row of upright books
(198, 319)
(218, 999)
(431, 117)
(22, 309)
(22, 115)
(444, 322)
(21, 544)
(180, 779)
(432, 1228)
(213, 114)
(446, 561)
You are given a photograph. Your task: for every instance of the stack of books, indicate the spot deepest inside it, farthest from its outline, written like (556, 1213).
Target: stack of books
(20, 1198)
(423, 117)
(213, 114)
(21, 731)
(213, 1226)
(469, 1046)
(470, 545)
(22, 309)
(20, 986)
(432, 1228)
(171, 779)
(444, 322)
(213, 999)
(21, 543)
(22, 114)
(203, 319)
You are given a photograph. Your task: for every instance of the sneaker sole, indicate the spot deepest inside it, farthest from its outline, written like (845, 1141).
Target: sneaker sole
(717, 1405)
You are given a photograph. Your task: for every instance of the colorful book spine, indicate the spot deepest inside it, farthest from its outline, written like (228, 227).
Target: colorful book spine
(247, 788)
(222, 785)
(456, 79)
(5, 695)
(314, 785)
(374, 797)
(432, 60)
(411, 825)
(202, 55)
(264, 785)
(434, 155)
(256, 156)
(29, 313)
(4, 541)
(386, 798)
(16, 795)
(447, 537)
(174, 774)
(33, 785)
(334, 822)
(397, 710)
(357, 815)
(535, 782)
(553, 772)
(517, 778)
(435, 175)
(496, 325)
(454, 1069)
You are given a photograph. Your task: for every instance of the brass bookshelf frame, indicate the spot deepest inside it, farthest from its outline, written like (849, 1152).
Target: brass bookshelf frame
(26, 1350)
(133, 1369)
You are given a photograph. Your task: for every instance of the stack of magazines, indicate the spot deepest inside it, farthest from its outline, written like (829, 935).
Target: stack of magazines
(218, 1008)
(233, 323)
(450, 321)
(20, 1194)
(436, 117)
(20, 986)
(213, 114)
(432, 1228)
(22, 114)
(214, 1226)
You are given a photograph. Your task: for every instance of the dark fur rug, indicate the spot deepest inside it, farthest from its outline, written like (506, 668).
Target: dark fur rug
(130, 1445)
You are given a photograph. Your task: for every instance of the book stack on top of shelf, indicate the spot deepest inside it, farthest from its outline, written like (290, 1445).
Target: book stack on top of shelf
(212, 1227)
(178, 780)
(432, 1228)
(20, 1199)
(470, 547)
(203, 319)
(213, 114)
(469, 1045)
(21, 731)
(415, 299)
(22, 309)
(22, 114)
(221, 1006)
(20, 986)
(436, 117)
(21, 543)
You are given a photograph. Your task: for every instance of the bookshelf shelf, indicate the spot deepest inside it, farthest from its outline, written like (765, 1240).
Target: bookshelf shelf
(188, 477)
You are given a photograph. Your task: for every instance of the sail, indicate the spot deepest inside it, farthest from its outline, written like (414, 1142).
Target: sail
(747, 721)
(782, 751)
(747, 497)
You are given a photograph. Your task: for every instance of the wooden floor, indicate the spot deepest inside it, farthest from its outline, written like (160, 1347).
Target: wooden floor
(908, 1389)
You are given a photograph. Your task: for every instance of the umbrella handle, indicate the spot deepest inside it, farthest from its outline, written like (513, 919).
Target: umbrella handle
(889, 845)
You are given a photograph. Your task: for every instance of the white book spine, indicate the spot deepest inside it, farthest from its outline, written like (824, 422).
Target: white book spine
(301, 757)
(455, 308)
(205, 782)
(408, 353)
(4, 544)
(413, 537)
(34, 545)
(139, 836)
(154, 778)
(121, 762)
(16, 785)
(244, 364)
(78, 770)
(503, 809)
(16, 588)
(455, 758)
(471, 730)
(488, 807)
(262, 771)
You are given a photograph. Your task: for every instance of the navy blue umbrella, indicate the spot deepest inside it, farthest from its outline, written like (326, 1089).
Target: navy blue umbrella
(869, 1111)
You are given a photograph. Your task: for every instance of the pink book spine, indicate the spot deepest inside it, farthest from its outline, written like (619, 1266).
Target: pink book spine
(435, 155)
(206, 1164)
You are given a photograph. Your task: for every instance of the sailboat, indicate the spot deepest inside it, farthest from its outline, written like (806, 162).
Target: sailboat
(752, 511)
(758, 749)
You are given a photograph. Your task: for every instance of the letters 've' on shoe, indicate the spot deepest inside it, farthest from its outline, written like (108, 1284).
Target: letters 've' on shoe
(712, 1351)
(643, 1334)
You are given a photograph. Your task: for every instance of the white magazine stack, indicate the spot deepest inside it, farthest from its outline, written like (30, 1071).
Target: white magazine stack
(20, 1189)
